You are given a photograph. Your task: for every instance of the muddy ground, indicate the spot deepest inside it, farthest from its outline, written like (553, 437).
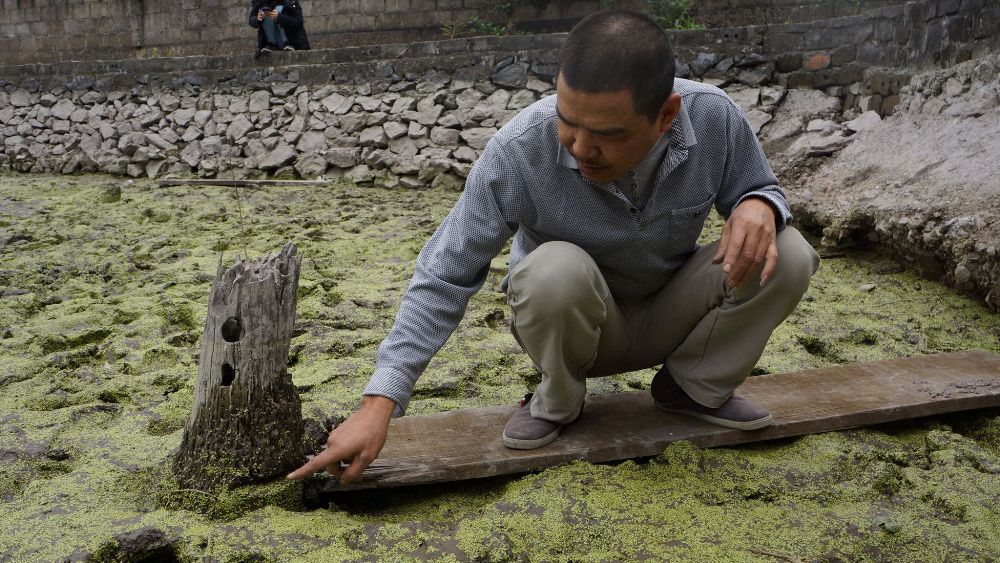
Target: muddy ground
(103, 292)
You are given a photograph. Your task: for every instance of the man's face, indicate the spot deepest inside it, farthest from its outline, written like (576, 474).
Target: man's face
(604, 133)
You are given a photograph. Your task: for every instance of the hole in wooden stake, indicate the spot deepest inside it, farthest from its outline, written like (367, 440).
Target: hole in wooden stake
(228, 375)
(232, 329)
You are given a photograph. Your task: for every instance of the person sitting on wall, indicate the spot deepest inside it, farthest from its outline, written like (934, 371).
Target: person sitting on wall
(280, 26)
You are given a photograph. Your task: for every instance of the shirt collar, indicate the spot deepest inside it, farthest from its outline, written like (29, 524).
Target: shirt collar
(681, 137)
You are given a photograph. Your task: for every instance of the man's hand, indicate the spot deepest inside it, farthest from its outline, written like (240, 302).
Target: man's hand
(273, 14)
(358, 441)
(260, 15)
(748, 239)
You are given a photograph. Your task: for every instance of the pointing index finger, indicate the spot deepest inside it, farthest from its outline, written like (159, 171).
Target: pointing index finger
(317, 463)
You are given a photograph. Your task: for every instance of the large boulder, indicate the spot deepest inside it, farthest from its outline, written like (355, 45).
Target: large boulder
(337, 104)
(445, 137)
(191, 154)
(310, 165)
(21, 98)
(343, 157)
(259, 101)
(477, 137)
(403, 103)
(280, 156)
(703, 62)
(311, 141)
(131, 142)
(514, 75)
(159, 142)
(374, 137)
(63, 109)
(394, 129)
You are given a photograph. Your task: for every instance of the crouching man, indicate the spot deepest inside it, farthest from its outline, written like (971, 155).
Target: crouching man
(605, 188)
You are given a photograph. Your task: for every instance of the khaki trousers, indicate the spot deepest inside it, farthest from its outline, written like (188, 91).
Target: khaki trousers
(708, 335)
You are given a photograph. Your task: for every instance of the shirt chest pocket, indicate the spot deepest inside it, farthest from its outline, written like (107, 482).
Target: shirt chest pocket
(686, 224)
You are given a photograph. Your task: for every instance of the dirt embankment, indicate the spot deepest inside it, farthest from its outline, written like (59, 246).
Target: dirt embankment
(921, 184)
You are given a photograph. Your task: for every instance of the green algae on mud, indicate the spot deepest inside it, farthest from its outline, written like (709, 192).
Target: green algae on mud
(100, 311)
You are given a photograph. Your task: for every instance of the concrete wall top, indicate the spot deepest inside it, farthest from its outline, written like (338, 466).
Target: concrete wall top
(817, 54)
(50, 31)
(33, 31)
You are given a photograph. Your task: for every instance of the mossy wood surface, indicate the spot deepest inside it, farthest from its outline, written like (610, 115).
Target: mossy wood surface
(246, 425)
(467, 443)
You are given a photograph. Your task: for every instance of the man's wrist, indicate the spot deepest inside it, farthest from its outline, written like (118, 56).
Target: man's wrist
(778, 217)
(379, 404)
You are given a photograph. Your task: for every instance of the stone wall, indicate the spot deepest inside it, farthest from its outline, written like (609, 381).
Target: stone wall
(410, 131)
(729, 13)
(818, 54)
(419, 113)
(48, 30)
(61, 30)
(863, 59)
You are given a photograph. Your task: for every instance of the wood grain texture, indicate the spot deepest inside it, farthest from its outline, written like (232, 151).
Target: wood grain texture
(246, 422)
(467, 444)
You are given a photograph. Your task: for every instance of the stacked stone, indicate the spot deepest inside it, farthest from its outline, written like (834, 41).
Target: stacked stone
(411, 131)
(966, 90)
(752, 69)
(407, 129)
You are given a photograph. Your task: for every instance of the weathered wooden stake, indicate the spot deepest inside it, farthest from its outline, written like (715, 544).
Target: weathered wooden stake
(246, 425)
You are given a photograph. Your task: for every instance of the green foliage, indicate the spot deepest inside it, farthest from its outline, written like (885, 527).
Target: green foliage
(482, 27)
(672, 14)
(500, 8)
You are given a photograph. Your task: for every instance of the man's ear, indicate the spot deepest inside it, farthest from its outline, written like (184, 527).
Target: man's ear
(671, 107)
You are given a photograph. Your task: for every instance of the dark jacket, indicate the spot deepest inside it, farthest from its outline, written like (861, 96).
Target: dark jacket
(290, 19)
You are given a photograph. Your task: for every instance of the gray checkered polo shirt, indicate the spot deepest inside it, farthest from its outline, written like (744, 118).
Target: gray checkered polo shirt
(526, 185)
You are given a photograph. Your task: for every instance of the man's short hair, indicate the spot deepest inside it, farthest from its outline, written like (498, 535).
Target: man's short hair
(614, 50)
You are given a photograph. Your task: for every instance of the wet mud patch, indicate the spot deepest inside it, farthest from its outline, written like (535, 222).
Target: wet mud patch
(103, 304)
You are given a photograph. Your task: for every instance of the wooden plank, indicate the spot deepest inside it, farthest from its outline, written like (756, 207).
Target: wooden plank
(467, 444)
(168, 182)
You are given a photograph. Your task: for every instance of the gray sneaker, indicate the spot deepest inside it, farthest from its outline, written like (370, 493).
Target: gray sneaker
(525, 432)
(737, 412)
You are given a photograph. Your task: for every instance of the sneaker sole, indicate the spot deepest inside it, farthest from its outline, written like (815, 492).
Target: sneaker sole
(521, 444)
(735, 424)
